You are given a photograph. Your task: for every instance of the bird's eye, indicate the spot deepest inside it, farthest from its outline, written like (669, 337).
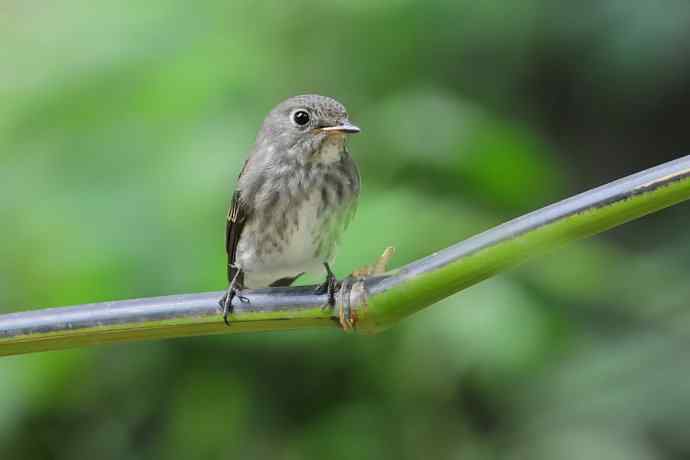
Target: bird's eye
(300, 117)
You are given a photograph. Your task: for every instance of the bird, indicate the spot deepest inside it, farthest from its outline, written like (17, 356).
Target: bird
(293, 199)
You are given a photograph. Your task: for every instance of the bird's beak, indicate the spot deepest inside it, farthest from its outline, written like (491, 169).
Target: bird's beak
(344, 127)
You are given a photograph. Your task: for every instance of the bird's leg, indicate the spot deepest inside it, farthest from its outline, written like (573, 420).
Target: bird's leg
(329, 286)
(233, 291)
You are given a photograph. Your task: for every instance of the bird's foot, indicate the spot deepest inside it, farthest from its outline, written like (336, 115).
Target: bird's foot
(352, 282)
(225, 302)
(330, 286)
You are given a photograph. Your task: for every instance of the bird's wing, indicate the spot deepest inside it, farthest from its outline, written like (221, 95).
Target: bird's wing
(236, 218)
(353, 174)
(234, 223)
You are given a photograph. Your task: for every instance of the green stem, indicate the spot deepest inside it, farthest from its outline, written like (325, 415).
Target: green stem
(517, 241)
(377, 302)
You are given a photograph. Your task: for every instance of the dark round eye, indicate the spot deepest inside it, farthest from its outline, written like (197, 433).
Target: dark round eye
(301, 117)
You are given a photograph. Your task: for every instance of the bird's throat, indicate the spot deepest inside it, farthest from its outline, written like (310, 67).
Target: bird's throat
(332, 149)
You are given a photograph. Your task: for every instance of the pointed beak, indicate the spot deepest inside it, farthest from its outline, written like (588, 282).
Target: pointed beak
(344, 127)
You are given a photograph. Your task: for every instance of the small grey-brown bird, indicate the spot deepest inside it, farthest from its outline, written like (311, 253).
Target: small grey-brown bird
(295, 195)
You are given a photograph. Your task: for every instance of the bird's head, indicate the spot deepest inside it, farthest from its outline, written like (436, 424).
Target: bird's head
(298, 127)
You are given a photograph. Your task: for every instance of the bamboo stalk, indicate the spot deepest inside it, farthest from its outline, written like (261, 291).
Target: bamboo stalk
(376, 302)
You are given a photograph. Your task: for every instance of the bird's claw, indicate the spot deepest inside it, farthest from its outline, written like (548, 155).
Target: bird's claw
(330, 287)
(225, 303)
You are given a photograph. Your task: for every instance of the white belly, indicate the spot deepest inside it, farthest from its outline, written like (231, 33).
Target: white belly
(298, 251)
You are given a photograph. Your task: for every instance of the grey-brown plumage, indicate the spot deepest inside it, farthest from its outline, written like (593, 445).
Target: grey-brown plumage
(294, 197)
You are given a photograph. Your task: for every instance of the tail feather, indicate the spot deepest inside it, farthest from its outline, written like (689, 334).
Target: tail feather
(284, 282)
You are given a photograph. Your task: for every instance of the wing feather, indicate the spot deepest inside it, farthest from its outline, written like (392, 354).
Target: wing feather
(234, 223)
(236, 218)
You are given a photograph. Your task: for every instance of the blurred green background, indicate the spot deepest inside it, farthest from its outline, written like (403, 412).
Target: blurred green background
(124, 124)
